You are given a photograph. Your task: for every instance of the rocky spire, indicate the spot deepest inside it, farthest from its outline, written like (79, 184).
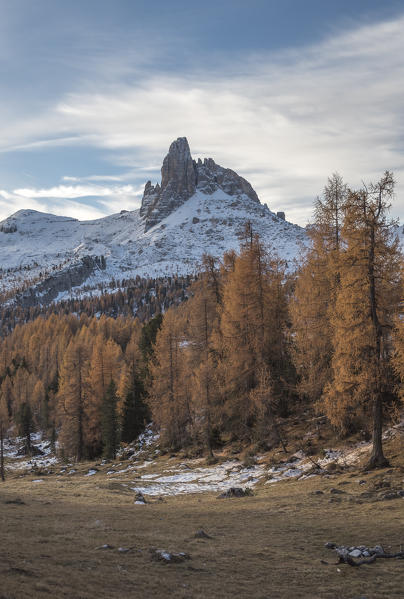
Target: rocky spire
(178, 171)
(178, 184)
(181, 177)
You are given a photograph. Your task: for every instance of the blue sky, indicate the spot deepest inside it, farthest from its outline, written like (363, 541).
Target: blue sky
(92, 92)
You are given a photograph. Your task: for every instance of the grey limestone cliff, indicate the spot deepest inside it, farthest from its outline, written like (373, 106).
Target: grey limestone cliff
(47, 290)
(181, 177)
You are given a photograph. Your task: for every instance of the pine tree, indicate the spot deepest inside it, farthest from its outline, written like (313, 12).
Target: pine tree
(366, 304)
(25, 424)
(22, 412)
(134, 412)
(109, 422)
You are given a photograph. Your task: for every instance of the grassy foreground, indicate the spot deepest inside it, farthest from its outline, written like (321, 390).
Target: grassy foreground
(268, 546)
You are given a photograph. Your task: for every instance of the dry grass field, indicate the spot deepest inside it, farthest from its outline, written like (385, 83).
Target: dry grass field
(270, 545)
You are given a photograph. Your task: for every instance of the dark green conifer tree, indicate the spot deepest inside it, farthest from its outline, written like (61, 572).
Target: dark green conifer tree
(109, 422)
(135, 413)
(25, 424)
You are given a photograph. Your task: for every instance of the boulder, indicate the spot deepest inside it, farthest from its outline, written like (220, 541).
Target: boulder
(235, 492)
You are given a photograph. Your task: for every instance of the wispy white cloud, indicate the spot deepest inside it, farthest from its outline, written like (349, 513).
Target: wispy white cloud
(64, 200)
(92, 178)
(11, 202)
(78, 191)
(284, 121)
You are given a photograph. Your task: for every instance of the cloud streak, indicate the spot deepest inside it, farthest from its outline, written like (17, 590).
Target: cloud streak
(283, 121)
(78, 191)
(72, 200)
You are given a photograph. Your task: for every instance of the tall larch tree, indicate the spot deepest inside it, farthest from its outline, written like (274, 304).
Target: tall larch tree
(104, 367)
(252, 322)
(71, 397)
(317, 284)
(367, 301)
(202, 312)
(169, 398)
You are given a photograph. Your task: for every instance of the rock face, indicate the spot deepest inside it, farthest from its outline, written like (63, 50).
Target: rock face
(181, 177)
(47, 290)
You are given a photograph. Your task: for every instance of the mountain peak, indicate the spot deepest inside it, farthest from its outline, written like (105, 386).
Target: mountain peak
(181, 177)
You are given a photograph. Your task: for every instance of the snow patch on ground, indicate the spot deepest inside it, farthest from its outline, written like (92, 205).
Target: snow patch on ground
(14, 446)
(199, 479)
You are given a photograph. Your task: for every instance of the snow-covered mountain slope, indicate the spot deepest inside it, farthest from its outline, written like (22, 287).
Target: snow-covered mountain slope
(199, 208)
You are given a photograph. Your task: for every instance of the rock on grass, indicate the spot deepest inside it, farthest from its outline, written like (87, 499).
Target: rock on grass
(235, 492)
(166, 557)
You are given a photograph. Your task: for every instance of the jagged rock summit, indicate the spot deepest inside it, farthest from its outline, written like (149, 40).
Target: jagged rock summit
(181, 177)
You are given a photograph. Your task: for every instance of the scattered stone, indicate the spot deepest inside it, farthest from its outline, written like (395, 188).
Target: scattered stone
(318, 492)
(235, 492)
(346, 555)
(161, 555)
(393, 495)
(330, 545)
(376, 550)
(16, 501)
(124, 549)
(382, 484)
(22, 572)
(337, 491)
(140, 499)
(106, 546)
(201, 534)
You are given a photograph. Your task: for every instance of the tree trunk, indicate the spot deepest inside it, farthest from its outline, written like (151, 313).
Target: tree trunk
(207, 386)
(2, 454)
(377, 458)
